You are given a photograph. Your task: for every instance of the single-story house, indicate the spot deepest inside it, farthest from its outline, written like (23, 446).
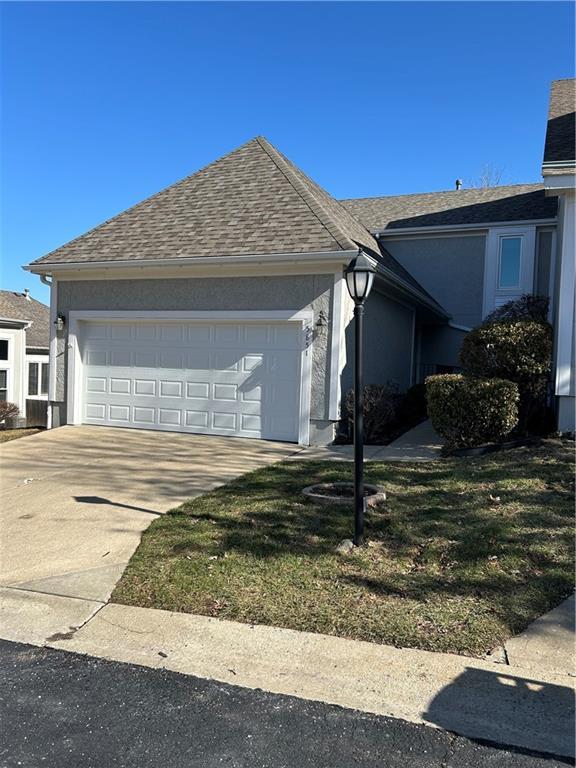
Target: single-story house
(218, 305)
(24, 360)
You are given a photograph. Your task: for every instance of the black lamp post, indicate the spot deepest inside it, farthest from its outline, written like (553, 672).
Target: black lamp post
(359, 278)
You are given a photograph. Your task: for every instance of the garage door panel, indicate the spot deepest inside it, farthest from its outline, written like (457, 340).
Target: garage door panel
(171, 388)
(207, 378)
(120, 358)
(197, 390)
(97, 357)
(119, 413)
(199, 334)
(96, 411)
(196, 419)
(198, 360)
(96, 384)
(144, 415)
(121, 331)
(120, 386)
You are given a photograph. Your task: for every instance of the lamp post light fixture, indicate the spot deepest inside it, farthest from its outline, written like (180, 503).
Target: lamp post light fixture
(359, 278)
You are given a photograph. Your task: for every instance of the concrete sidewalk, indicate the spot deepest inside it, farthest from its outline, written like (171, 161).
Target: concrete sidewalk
(419, 444)
(475, 698)
(548, 643)
(527, 708)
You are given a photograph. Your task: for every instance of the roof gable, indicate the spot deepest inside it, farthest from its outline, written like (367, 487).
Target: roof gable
(251, 201)
(17, 306)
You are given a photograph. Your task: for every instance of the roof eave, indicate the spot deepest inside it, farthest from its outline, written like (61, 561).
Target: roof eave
(46, 267)
(387, 231)
(412, 292)
(12, 322)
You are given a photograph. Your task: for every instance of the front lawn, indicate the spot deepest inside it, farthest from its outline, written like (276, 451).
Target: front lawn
(464, 553)
(13, 434)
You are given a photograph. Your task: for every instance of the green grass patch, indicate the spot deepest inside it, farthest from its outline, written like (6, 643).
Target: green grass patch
(6, 435)
(463, 554)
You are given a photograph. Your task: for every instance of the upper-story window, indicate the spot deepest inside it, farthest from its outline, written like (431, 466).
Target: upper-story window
(509, 265)
(3, 349)
(510, 262)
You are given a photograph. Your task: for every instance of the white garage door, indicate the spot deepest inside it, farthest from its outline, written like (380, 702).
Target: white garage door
(218, 378)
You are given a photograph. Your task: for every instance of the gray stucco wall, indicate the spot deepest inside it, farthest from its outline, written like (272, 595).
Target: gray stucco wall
(451, 269)
(228, 293)
(388, 335)
(440, 345)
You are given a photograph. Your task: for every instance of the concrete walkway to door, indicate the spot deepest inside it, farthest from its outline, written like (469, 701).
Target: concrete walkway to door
(75, 501)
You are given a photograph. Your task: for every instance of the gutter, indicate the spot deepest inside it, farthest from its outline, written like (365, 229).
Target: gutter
(10, 322)
(559, 164)
(46, 268)
(401, 231)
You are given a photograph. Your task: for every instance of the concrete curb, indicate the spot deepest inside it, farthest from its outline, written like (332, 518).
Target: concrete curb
(471, 697)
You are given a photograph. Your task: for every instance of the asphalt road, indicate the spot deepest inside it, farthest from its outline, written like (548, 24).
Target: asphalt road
(62, 710)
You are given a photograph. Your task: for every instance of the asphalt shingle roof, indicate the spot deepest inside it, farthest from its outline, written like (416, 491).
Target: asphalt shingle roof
(518, 202)
(560, 143)
(15, 306)
(251, 201)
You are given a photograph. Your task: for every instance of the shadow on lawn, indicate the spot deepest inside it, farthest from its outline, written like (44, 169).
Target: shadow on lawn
(456, 543)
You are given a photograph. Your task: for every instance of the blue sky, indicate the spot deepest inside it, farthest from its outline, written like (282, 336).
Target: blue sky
(106, 103)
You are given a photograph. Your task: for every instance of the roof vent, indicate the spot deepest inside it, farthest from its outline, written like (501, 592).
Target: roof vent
(458, 184)
(27, 294)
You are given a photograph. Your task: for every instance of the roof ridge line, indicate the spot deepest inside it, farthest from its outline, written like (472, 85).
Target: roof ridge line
(334, 230)
(444, 191)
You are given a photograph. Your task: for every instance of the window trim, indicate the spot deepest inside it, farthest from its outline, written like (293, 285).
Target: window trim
(8, 365)
(40, 360)
(8, 378)
(494, 295)
(516, 285)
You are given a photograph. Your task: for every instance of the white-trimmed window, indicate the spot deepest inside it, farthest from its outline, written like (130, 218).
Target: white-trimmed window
(3, 384)
(509, 266)
(38, 379)
(509, 262)
(5, 366)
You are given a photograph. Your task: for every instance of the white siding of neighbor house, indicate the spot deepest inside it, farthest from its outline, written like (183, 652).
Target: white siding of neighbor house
(15, 365)
(565, 315)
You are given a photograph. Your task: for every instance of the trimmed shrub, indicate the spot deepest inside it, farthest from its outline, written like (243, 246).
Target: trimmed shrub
(519, 351)
(469, 412)
(8, 410)
(380, 411)
(527, 307)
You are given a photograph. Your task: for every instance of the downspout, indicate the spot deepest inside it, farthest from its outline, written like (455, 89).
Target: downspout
(53, 347)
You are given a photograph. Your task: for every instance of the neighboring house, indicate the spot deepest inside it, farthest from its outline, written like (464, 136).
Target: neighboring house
(218, 305)
(24, 340)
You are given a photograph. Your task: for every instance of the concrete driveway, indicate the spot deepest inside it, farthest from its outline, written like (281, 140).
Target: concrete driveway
(75, 501)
